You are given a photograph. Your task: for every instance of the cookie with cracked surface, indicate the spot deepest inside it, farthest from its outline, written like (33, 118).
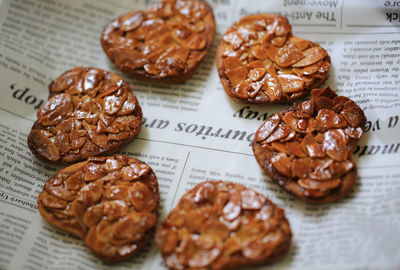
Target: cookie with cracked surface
(223, 225)
(260, 61)
(308, 148)
(109, 202)
(165, 43)
(90, 112)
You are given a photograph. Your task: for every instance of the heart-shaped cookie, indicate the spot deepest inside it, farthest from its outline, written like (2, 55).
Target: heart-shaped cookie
(308, 148)
(223, 225)
(109, 202)
(260, 61)
(165, 43)
(90, 112)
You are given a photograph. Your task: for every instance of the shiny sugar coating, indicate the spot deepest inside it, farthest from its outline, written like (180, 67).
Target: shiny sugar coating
(260, 61)
(222, 225)
(308, 148)
(109, 202)
(90, 112)
(165, 43)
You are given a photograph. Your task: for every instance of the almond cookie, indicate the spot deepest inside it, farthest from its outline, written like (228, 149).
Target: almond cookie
(308, 148)
(90, 112)
(165, 43)
(223, 225)
(260, 61)
(109, 202)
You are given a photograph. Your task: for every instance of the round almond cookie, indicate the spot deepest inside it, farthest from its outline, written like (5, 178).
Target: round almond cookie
(165, 43)
(307, 149)
(260, 61)
(109, 202)
(222, 225)
(90, 112)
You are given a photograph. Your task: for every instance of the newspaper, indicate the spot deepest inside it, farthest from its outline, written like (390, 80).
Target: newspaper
(193, 132)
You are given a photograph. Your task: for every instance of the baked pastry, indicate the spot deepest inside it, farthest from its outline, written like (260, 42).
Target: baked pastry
(109, 202)
(222, 225)
(260, 61)
(308, 148)
(90, 112)
(165, 43)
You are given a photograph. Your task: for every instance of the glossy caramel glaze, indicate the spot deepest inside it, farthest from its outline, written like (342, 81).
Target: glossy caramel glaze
(222, 225)
(165, 43)
(109, 202)
(260, 61)
(90, 112)
(308, 148)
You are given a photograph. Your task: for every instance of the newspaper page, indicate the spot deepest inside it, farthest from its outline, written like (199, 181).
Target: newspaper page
(193, 132)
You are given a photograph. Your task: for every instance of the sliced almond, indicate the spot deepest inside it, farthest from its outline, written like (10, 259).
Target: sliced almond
(311, 184)
(282, 164)
(267, 128)
(291, 83)
(287, 56)
(44, 146)
(312, 55)
(231, 63)
(234, 40)
(330, 119)
(236, 75)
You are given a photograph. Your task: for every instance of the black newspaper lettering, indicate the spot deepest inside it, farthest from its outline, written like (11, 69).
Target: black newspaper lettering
(239, 134)
(328, 16)
(250, 137)
(191, 128)
(360, 150)
(263, 117)
(247, 113)
(180, 126)
(393, 121)
(227, 134)
(374, 149)
(23, 94)
(371, 150)
(308, 15)
(156, 123)
(201, 131)
(393, 16)
(217, 134)
(239, 113)
(392, 4)
(251, 114)
(375, 126)
(389, 149)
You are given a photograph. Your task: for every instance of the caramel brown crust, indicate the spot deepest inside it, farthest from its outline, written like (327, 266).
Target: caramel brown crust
(90, 112)
(222, 225)
(307, 149)
(260, 61)
(110, 202)
(165, 43)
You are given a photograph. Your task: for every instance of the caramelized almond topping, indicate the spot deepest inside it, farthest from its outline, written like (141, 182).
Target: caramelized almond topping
(288, 66)
(329, 119)
(290, 83)
(237, 75)
(319, 185)
(111, 217)
(267, 128)
(165, 43)
(221, 220)
(231, 63)
(44, 146)
(314, 163)
(257, 74)
(73, 125)
(312, 55)
(282, 163)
